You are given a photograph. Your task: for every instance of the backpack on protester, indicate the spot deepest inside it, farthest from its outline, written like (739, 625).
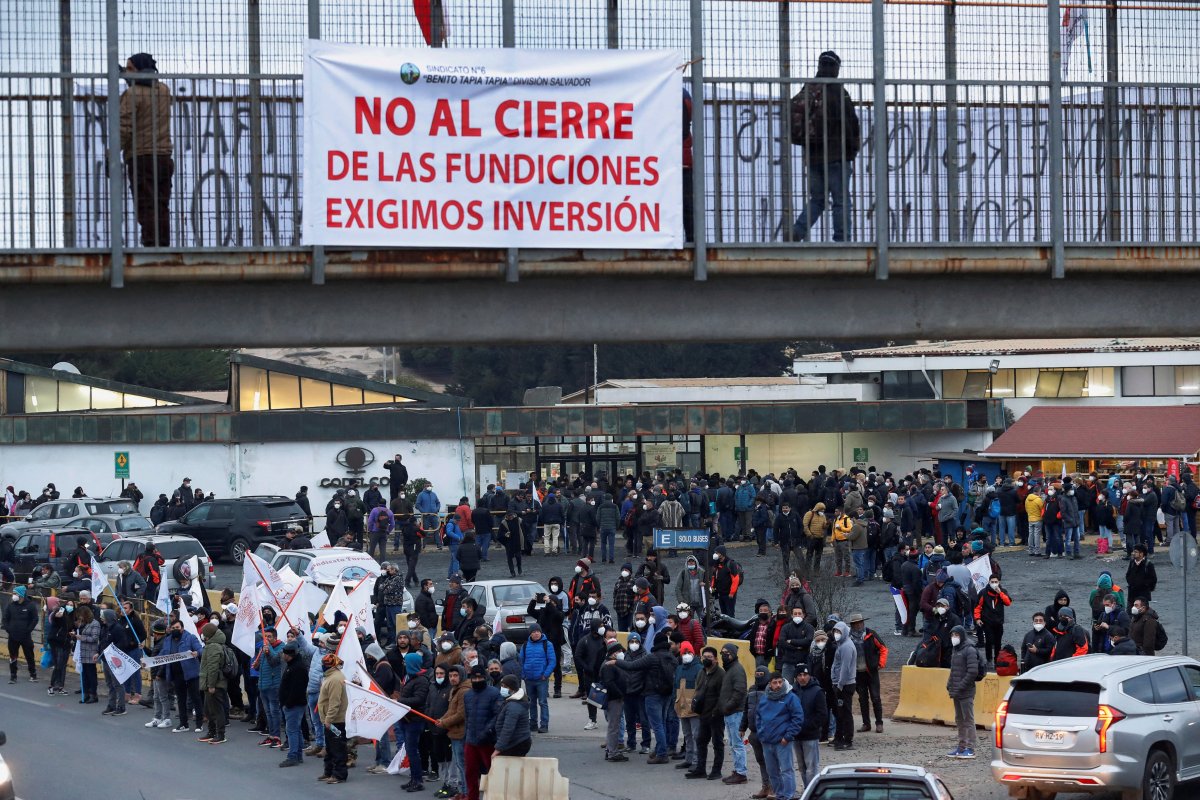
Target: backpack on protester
(842, 528)
(994, 509)
(229, 663)
(1178, 502)
(1160, 637)
(1006, 661)
(980, 666)
(928, 653)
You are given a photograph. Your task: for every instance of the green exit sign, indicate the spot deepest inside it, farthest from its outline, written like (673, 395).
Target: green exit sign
(740, 454)
(860, 455)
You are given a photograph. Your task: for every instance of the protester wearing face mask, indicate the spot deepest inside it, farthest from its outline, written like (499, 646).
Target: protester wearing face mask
(1070, 639)
(623, 597)
(707, 705)
(725, 581)
(589, 656)
(1112, 615)
(1037, 645)
(1146, 630)
(481, 705)
(447, 651)
(687, 672)
(1141, 579)
(843, 676)
(690, 627)
(989, 615)
(795, 640)
(1053, 523)
(966, 665)
(583, 584)
(337, 523)
(546, 612)
(184, 676)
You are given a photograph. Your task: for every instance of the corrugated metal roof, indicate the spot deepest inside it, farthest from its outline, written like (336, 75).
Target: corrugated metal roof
(1101, 432)
(1014, 347)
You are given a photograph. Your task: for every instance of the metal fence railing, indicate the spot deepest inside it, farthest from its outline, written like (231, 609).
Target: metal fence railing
(982, 121)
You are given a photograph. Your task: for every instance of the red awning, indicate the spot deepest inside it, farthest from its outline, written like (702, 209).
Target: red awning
(1102, 432)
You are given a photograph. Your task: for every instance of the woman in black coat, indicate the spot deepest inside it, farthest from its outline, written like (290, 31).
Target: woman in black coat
(469, 556)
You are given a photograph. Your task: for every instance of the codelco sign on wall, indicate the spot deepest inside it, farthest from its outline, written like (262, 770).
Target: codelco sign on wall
(492, 148)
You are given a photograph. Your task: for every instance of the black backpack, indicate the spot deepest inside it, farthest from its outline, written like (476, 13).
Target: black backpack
(1160, 637)
(229, 663)
(928, 653)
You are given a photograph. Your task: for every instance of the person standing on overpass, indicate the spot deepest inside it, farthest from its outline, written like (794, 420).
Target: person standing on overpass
(145, 127)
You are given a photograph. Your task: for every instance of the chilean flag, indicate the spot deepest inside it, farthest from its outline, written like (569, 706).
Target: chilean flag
(426, 11)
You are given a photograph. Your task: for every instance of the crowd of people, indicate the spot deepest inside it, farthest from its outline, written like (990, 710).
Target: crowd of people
(640, 658)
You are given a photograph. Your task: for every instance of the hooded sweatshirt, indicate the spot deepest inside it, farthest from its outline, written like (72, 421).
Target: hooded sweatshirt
(1052, 609)
(692, 587)
(845, 658)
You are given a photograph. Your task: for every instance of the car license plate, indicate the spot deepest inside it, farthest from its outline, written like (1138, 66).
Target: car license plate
(1050, 737)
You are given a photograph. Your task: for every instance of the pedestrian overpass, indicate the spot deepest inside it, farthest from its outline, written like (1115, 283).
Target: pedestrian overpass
(1022, 173)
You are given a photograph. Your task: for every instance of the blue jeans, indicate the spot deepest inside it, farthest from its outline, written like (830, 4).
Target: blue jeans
(825, 181)
(989, 526)
(655, 706)
(608, 545)
(412, 747)
(1054, 543)
(292, 717)
(485, 541)
(539, 698)
(1072, 538)
(270, 701)
(726, 520)
(860, 564)
(780, 768)
(808, 757)
(1008, 530)
(453, 568)
(672, 721)
(314, 721)
(1149, 529)
(736, 745)
(458, 769)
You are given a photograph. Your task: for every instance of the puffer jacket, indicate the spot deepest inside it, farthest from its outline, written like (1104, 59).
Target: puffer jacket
(816, 524)
(733, 689)
(845, 659)
(965, 663)
(270, 666)
(481, 710)
(512, 723)
(20, 620)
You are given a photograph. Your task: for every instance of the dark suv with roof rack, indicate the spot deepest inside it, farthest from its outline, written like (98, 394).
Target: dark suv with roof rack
(229, 527)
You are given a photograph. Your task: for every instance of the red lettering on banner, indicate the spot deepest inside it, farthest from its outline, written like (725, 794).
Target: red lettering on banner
(333, 213)
(501, 125)
(549, 119)
(368, 111)
(622, 121)
(572, 120)
(467, 129)
(360, 165)
(339, 165)
(443, 120)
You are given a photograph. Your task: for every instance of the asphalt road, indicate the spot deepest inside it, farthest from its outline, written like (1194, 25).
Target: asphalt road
(154, 764)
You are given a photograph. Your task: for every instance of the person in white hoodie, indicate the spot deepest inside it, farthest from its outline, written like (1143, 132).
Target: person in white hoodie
(843, 674)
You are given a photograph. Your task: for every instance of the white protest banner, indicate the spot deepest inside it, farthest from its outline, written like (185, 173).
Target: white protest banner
(320, 539)
(189, 624)
(273, 591)
(370, 714)
(151, 662)
(361, 609)
(492, 147)
(981, 571)
(122, 666)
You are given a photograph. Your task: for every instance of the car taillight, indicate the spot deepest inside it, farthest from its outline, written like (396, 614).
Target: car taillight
(514, 619)
(53, 546)
(1001, 718)
(1106, 717)
(264, 523)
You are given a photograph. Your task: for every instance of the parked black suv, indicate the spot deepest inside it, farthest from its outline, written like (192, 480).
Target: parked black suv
(230, 527)
(56, 547)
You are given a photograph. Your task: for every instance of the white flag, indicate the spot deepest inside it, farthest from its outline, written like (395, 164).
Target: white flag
(981, 571)
(163, 603)
(195, 589)
(369, 714)
(189, 624)
(99, 579)
(75, 655)
(359, 602)
(320, 539)
(335, 603)
(249, 616)
(122, 666)
(350, 652)
(273, 590)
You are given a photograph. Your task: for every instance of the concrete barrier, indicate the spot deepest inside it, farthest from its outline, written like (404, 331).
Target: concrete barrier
(524, 779)
(923, 697)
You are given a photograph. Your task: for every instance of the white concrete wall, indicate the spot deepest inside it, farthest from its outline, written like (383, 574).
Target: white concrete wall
(898, 452)
(739, 394)
(230, 470)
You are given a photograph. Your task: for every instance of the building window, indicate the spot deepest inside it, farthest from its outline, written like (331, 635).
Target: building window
(1101, 382)
(1160, 381)
(907, 385)
(315, 394)
(252, 389)
(285, 390)
(41, 395)
(347, 396)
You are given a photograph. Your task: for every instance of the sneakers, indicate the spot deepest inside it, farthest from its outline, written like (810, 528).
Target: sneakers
(734, 779)
(220, 739)
(181, 729)
(618, 757)
(33, 679)
(267, 741)
(164, 723)
(644, 750)
(120, 712)
(152, 723)
(955, 753)
(316, 751)
(276, 743)
(12, 680)
(377, 769)
(968, 753)
(591, 726)
(287, 762)
(206, 738)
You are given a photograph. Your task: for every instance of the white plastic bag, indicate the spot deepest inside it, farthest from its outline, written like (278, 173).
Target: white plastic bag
(399, 765)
